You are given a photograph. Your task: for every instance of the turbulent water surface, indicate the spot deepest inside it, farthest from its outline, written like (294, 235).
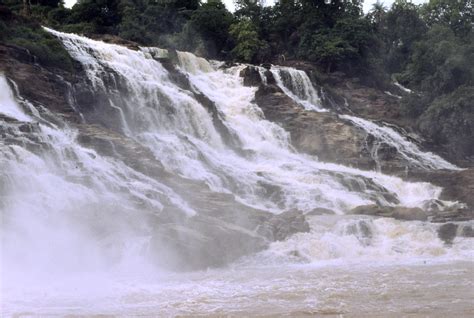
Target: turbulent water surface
(78, 226)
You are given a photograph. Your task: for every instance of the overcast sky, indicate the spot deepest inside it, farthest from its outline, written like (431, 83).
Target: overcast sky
(230, 3)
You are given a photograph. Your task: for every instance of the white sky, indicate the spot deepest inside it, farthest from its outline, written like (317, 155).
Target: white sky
(230, 3)
(368, 3)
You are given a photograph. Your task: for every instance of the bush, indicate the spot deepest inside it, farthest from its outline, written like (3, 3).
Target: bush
(38, 42)
(449, 120)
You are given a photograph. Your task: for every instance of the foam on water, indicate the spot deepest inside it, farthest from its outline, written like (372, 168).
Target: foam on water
(358, 239)
(65, 209)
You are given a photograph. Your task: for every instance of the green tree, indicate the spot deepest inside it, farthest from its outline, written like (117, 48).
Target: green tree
(455, 14)
(249, 47)
(402, 27)
(212, 21)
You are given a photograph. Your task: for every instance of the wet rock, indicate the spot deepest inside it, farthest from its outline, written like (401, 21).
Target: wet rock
(320, 134)
(50, 88)
(467, 231)
(447, 232)
(400, 213)
(251, 76)
(457, 186)
(362, 231)
(182, 80)
(202, 242)
(281, 226)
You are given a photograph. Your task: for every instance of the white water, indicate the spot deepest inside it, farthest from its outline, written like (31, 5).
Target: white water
(75, 225)
(188, 144)
(9, 106)
(410, 151)
(298, 86)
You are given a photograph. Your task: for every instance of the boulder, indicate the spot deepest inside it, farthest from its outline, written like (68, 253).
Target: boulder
(398, 212)
(447, 232)
(282, 226)
(251, 76)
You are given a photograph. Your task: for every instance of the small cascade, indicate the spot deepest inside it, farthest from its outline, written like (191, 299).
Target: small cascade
(10, 107)
(297, 85)
(409, 150)
(193, 64)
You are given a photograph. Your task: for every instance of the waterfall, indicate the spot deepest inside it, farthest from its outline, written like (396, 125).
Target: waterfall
(179, 130)
(297, 85)
(179, 169)
(65, 207)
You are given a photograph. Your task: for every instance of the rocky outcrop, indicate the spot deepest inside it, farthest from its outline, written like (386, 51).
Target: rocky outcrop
(433, 213)
(325, 134)
(457, 186)
(399, 213)
(39, 85)
(320, 134)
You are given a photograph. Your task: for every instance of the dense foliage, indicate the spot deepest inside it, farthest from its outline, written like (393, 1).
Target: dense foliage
(428, 48)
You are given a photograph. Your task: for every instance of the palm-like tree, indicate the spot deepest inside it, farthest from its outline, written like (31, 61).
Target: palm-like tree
(377, 12)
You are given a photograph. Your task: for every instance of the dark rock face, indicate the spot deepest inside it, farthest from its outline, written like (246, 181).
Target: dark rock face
(321, 211)
(323, 134)
(282, 226)
(362, 231)
(251, 76)
(467, 231)
(37, 84)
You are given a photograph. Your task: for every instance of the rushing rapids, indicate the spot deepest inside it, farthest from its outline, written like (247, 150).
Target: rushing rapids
(180, 170)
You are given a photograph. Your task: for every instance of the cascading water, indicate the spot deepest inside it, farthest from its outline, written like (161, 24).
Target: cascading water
(88, 220)
(179, 130)
(297, 85)
(410, 151)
